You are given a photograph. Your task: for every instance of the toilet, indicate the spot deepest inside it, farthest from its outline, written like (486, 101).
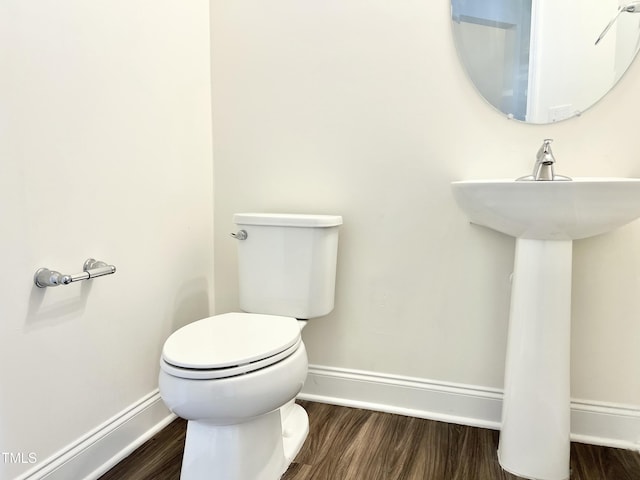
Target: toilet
(234, 376)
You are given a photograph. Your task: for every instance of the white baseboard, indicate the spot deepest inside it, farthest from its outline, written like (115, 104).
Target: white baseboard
(99, 450)
(607, 424)
(591, 422)
(102, 448)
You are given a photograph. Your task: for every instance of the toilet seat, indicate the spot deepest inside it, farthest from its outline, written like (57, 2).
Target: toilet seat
(230, 344)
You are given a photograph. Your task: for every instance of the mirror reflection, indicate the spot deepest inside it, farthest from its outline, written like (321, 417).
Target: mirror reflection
(537, 60)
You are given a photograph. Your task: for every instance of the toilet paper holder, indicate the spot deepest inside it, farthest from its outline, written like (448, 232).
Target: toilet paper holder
(91, 269)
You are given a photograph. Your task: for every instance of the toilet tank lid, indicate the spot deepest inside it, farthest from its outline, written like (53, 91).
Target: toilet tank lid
(287, 219)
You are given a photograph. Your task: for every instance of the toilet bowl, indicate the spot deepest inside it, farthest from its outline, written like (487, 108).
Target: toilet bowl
(235, 376)
(230, 375)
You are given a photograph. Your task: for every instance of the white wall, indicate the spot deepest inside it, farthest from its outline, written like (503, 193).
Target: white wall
(105, 151)
(361, 108)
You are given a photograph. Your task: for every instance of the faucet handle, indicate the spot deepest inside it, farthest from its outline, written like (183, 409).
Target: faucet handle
(545, 152)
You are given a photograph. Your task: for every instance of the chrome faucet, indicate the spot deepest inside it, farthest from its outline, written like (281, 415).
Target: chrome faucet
(543, 168)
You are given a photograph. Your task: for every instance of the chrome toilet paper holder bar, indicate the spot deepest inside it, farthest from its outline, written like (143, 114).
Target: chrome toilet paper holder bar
(91, 269)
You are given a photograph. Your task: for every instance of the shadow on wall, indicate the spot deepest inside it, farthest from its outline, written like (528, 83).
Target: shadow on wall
(47, 307)
(191, 302)
(52, 306)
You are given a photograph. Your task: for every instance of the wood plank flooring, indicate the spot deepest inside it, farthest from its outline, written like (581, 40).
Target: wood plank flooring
(352, 444)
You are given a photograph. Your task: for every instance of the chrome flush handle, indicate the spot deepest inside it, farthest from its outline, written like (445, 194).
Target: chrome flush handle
(240, 235)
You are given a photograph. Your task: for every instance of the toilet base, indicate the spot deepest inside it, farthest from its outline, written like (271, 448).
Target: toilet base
(259, 449)
(295, 428)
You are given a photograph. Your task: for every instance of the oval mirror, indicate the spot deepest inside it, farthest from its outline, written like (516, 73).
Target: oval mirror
(537, 60)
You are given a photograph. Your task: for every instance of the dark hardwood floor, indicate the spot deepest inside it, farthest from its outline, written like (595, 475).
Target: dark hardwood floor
(352, 444)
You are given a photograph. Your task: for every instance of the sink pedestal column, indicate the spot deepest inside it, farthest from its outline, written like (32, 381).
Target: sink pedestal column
(534, 438)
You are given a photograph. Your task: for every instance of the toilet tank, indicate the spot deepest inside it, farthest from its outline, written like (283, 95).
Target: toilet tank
(287, 263)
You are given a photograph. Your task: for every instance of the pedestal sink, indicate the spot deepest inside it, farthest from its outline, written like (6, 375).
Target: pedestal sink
(545, 217)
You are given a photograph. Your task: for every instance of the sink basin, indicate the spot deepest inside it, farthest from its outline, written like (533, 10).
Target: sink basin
(558, 210)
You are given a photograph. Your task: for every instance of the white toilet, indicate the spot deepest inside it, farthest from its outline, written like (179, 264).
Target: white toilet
(235, 376)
